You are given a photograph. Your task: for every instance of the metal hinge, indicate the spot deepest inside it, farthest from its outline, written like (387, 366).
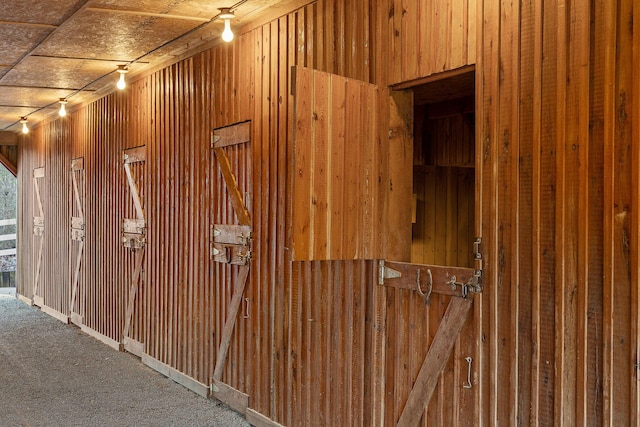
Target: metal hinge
(386, 273)
(246, 256)
(477, 256)
(214, 138)
(245, 239)
(477, 246)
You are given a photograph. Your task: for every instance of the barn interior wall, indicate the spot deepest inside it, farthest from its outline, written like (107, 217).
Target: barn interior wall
(554, 336)
(559, 145)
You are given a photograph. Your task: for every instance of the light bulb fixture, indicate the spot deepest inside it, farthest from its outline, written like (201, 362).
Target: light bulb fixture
(227, 15)
(122, 70)
(63, 110)
(25, 129)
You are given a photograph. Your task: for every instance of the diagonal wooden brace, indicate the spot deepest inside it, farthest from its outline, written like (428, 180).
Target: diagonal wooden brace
(134, 192)
(230, 323)
(232, 186)
(135, 280)
(36, 279)
(76, 277)
(435, 361)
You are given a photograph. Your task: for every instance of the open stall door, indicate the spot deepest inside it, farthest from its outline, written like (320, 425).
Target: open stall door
(340, 170)
(231, 247)
(77, 300)
(353, 198)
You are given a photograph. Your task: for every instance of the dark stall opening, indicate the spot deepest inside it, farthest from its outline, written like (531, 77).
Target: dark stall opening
(444, 172)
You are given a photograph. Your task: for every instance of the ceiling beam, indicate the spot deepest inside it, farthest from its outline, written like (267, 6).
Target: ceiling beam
(8, 138)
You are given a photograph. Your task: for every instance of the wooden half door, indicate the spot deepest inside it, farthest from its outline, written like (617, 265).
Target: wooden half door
(76, 258)
(354, 198)
(38, 233)
(231, 246)
(340, 170)
(429, 287)
(134, 240)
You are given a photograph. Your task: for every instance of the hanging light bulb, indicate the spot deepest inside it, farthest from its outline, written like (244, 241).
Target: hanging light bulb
(25, 129)
(63, 110)
(227, 34)
(227, 15)
(122, 69)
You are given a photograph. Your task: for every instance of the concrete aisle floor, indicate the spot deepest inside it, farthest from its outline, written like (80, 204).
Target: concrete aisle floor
(52, 374)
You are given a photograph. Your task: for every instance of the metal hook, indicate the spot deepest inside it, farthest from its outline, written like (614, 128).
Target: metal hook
(246, 308)
(468, 384)
(426, 296)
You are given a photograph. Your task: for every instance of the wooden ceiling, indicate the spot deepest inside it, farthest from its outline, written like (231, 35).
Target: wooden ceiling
(72, 48)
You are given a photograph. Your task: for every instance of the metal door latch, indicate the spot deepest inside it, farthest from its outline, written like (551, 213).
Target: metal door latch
(471, 286)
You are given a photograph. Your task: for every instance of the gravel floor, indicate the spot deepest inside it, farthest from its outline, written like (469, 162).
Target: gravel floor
(54, 375)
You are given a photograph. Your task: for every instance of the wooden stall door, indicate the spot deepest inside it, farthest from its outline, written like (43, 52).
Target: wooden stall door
(350, 141)
(134, 239)
(431, 354)
(38, 233)
(231, 235)
(427, 308)
(77, 298)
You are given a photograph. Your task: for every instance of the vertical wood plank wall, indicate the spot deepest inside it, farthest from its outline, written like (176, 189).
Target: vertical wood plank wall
(557, 112)
(556, 329)
(428, 37)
